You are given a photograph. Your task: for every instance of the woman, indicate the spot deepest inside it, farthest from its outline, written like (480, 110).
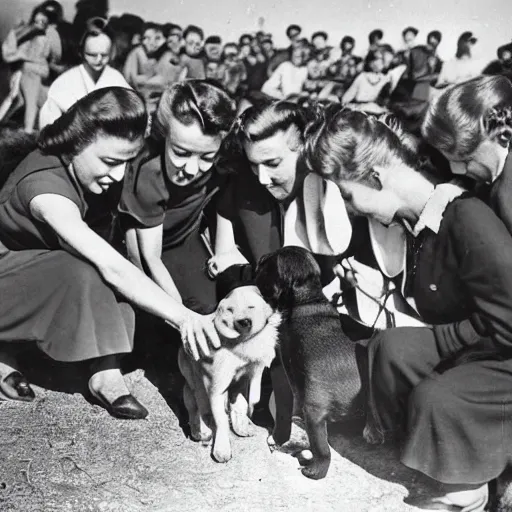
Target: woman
(94, 73)
(169, 186)
(289, 77)
(445, 388)
(471, 124)
(464, 66)
(29, 48)
(367, 87)
(61, 285)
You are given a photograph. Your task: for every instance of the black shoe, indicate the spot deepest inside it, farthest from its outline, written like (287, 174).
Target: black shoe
(16, 387)
(126, 407)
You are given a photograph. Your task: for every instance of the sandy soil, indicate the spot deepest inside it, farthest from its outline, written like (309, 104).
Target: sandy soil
(62, 453)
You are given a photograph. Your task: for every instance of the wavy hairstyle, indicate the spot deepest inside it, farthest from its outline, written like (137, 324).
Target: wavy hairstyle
(95, 27)
(465, 114)
(195, 101)
(261, 121)
(112, 111)
(346, 145)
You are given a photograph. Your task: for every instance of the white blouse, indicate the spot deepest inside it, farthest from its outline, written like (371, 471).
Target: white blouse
(72, 85)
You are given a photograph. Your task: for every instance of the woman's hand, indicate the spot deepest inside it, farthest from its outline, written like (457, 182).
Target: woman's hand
(221, 261)
(198, 333)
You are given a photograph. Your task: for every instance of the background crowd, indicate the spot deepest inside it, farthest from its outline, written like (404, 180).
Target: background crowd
(152, 56)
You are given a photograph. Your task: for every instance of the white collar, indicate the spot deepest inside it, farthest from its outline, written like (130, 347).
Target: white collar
(433, 211)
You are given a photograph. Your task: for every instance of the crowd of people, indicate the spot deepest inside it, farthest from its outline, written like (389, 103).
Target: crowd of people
(151, 56)
(163, 158)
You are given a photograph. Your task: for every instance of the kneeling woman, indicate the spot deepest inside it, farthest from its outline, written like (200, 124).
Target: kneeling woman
(446, 388)
(168, 187)
(471, 124)
(61, 285)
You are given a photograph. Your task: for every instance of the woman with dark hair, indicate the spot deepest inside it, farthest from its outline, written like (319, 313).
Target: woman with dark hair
(464, 66)
(367, 87)
(443, 389)
(94, 73)
(471, 125)
(61, 285)
(170, 184)
(30, 50)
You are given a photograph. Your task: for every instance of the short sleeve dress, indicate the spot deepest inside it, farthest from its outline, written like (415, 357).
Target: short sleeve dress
(150, 199)
(47, 294)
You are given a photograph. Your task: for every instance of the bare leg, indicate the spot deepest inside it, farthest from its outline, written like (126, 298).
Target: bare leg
(30, 87)
(284, 404)
(13, 385)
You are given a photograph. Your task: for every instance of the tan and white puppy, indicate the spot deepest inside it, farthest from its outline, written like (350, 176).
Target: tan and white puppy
(248, 329)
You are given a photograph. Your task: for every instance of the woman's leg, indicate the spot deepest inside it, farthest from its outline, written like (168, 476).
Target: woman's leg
(13, 385)
(399, 359)
(30, 88)
(63, 304)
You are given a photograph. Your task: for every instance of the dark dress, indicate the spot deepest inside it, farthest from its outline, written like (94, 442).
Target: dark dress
(149, 199)
(48, 295)
(448, 389)
(258, 220)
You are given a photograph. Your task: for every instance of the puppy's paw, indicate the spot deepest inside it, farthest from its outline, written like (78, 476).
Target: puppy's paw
(316, 470)
(373, 436)
(221, 449)
(241, 424)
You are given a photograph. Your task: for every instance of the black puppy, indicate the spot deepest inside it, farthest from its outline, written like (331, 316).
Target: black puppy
(317, 356)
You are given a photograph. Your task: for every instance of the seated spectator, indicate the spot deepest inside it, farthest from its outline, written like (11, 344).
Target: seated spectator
(368, 85)
(433, 40)
(289, 77)
(319, 40)
(29, 49)
(213, 48)
(293, 33)
(256, 67)
(234, 73)
(94, 73)
(174, 39)
(464, 66)
(192, 58)
(140, 63)
(503, 65)
(375, 39)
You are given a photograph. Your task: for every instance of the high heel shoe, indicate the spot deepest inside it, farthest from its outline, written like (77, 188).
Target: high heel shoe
(125, 407)
(16, 387)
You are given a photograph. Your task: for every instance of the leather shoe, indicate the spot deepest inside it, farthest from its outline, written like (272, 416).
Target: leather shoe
(125, 407)
(16, 387)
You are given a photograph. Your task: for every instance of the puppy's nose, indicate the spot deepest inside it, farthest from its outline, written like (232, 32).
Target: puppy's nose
(243, 325)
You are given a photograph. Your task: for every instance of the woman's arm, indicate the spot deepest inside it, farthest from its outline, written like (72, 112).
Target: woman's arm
(145, 251)
(351, 92)
(482, 247)
(273, 86)
(64, 217)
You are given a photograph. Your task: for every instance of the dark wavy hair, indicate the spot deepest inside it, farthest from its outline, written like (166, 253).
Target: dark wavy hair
(112, 111)
(195, 101)
(261, 121)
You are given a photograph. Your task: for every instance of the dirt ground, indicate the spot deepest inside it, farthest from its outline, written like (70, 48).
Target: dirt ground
(62, 453)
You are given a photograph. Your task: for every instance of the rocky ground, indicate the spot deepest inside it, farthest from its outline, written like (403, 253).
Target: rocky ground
(62, 453)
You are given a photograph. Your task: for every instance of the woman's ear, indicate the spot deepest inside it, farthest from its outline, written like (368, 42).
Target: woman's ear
(497, 125)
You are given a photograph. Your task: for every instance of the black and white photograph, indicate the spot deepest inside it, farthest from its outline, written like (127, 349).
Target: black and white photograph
(255, 256)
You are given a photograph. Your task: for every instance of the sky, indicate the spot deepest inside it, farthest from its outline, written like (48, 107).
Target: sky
(489, 20)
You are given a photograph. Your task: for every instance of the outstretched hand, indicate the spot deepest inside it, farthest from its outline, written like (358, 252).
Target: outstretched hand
(198, 334)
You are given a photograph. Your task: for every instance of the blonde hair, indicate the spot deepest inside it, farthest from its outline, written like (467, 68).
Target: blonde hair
(457, 121)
